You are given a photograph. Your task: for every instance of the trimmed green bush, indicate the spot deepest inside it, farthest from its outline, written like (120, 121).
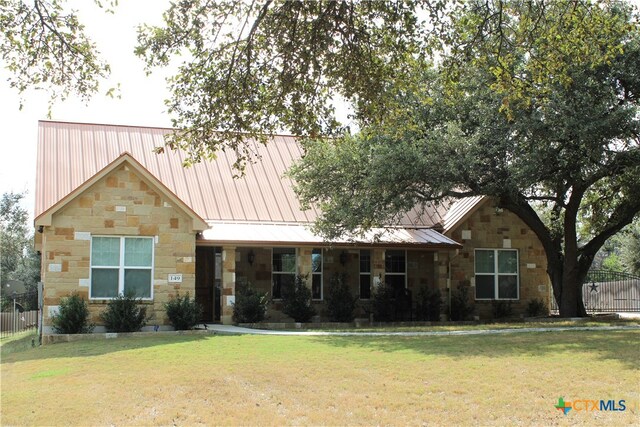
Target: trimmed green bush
(250, 305)
(183, 312)
(296, 301)
(341, 304)
(383, 303)
(73, 316)
(124, 314)
(428, 304)
(536, 308)
(461, 308)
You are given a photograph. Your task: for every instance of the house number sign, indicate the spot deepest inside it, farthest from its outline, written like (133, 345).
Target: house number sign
(175, 278)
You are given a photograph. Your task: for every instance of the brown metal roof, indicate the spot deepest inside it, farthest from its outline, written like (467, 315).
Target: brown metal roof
(71, 153)
(460, 210)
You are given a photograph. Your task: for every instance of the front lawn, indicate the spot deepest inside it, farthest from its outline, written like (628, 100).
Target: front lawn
(268, 380)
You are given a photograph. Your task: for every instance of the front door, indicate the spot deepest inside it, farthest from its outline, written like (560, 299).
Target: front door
(208, 274)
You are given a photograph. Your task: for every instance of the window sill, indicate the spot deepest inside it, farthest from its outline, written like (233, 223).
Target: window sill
(105, 301)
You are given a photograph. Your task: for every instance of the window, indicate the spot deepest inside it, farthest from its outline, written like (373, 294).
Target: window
(395, 269)
(120, 265)
(496, 274)
(283, 272)
(316, 274)
(365, 274)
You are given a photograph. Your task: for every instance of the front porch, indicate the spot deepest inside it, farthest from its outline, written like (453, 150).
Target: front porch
(269, 268)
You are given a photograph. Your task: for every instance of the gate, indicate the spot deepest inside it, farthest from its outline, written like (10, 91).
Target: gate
(19, 313)
(606, 291)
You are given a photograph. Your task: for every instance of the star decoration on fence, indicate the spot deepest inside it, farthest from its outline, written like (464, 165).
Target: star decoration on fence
(594, 288)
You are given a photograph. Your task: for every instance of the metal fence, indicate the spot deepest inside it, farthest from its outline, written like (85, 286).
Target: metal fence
(19, 313)
(609, 292)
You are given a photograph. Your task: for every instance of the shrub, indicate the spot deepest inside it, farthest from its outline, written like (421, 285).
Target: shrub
(296, 301)
(73, 316)
(537, 307)
(250, 305)
(340, 302)
(501, 309)
(183, 312)
(428, 304)
(461, 308)
(124, 314)
(383, 303)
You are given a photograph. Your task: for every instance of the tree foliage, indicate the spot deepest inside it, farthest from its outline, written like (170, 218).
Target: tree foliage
(256, 68)
(18, 259)
(44, 46)
(572, 149)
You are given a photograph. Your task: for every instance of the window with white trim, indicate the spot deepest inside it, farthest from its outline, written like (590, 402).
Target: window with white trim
(365, 274)
(283, 271)
(317, 291)
(497, 274)
(395, 269)
(121, 265)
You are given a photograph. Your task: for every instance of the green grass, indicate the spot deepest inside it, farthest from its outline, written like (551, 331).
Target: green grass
(18, 342)
(324, 380)
(487, 326)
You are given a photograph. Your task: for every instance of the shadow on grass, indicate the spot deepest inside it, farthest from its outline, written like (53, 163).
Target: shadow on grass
(622, 346)
(96, 347)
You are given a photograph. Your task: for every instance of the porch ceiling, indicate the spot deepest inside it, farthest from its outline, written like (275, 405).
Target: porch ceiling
(300, 234)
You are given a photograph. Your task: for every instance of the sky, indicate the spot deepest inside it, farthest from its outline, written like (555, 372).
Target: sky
(141, 102)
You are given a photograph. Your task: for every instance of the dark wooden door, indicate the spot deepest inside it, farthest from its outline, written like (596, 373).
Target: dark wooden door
(205, 281)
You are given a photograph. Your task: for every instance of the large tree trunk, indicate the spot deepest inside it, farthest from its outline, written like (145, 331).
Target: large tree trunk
(571, 303)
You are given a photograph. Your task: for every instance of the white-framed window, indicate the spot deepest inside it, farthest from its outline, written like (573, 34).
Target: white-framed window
(365, 274)
(120, 265)
(395, 269)
(317, 289)
(283, 270)
(497, 275)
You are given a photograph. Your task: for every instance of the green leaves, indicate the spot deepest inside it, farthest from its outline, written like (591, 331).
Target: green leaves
(46, 48)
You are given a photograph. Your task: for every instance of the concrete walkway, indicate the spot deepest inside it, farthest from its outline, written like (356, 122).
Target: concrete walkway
(236, 330)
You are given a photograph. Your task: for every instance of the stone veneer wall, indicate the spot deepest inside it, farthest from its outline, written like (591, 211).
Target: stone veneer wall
(421, 270)
(120, 204)
(497, 230)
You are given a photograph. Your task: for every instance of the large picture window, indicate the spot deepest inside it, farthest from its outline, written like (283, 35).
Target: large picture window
(120, 265)
(317, 291)
(283, 271)
(496, 274)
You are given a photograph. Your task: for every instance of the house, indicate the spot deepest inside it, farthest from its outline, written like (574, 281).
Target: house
(112, 215)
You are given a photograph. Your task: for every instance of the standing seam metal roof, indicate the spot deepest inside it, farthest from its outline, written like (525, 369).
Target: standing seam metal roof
(71, 153)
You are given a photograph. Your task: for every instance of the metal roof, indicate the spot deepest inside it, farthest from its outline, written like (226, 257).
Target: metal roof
(71, 153)
(299, 234)
(460, 210)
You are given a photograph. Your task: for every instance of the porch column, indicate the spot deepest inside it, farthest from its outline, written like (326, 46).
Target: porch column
(441, 277)
(228, 283)
(377, 266)
(304, 263)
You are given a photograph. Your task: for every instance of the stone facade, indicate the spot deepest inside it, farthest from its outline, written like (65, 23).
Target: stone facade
(125, 203)
(421, 272)
(122, 203)
(491, 228)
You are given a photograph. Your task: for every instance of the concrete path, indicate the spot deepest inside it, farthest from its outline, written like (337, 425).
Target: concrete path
(236, 330)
